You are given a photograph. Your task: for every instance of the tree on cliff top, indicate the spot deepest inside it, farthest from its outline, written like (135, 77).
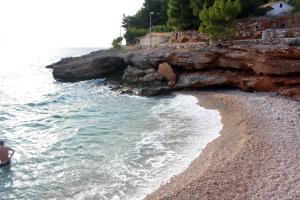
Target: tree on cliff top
(249, 7)
(180, 15)
(198, 5)
(217, 20)
(141, 18)
(138, 24)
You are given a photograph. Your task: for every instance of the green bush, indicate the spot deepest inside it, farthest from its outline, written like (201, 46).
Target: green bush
(181, 16)
(160, 29)
(117, 42)
(217, 20)
(132, 34)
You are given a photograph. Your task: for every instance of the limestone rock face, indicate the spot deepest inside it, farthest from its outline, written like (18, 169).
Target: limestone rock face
(286, 85)
(261, 59)
(165, 70)
(192, 60)
(134, 75)
(147, 58)
(207, 79)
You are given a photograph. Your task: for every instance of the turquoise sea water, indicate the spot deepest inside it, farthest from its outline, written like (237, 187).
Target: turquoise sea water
(83, 141)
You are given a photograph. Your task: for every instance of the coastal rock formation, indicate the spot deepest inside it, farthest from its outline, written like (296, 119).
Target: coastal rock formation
(285, 85)
(250, 67)
(146, 58)
(262, 59)
(94, 65)
(136, 75)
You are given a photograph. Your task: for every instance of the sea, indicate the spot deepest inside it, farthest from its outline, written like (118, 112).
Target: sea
(84, 141)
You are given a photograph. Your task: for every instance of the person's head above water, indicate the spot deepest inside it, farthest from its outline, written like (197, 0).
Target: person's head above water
(1, 143)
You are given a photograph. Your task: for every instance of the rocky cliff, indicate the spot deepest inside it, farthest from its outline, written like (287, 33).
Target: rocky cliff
(250, 67)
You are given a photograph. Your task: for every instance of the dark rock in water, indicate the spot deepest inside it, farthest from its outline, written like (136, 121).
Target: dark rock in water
(142, 91)
(154, 91)
(96, 69)
(91, 66)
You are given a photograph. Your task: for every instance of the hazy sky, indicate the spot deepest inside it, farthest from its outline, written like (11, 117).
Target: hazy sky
(62, 23)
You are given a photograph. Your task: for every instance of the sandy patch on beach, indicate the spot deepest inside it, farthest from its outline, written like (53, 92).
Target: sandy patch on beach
(256, 157)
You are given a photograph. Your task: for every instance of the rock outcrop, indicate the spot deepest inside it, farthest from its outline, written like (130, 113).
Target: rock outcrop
(261, 59)
(288, 85)
(91, 66)
(271, 34)
(253, 27)
(250, 67)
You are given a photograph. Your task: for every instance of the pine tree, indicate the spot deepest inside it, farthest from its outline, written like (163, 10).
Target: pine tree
(197, 5)
(217, 20)
(180, 15)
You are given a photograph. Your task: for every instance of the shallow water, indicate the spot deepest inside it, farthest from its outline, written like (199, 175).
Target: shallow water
(82, 141)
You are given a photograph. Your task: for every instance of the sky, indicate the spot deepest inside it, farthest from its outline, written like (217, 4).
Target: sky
(62, 23)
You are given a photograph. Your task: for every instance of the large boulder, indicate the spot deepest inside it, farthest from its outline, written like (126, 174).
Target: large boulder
(91, 66)
(165, 70)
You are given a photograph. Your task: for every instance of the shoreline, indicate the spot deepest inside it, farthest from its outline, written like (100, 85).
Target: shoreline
(257, 155)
